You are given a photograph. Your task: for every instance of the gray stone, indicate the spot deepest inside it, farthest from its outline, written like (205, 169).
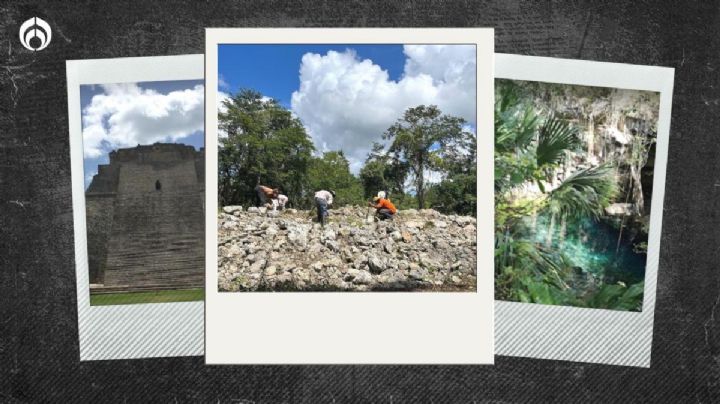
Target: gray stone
(332, 245)
(388, 247)
(229, 225)
(232, 209)
(328, 234)
(270, 270)
(418, 273)
(362, 277)
(258, 266)
(414, 224)
(346, 254)
(272, 230)
(375, 264)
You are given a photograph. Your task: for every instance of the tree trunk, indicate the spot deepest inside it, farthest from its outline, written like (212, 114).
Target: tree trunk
(420, 184)
(638, 198)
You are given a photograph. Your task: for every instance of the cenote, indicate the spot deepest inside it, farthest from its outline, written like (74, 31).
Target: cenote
(593, 246)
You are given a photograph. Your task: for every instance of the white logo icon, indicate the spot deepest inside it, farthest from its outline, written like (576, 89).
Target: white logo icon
(35, 34)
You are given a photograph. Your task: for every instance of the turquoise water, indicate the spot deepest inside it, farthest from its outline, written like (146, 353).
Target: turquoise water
(592, 245)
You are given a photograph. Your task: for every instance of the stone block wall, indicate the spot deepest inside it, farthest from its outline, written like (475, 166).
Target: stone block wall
(142, 236)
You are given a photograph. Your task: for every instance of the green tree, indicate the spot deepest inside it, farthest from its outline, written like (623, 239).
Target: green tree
(421, 139)
(529, 156)
(332, 172)
(455, 194)
(383, 173)
(265, 145)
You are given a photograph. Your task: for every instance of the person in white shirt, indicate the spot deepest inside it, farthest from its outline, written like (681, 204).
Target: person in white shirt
(323, 199)
(280, 202)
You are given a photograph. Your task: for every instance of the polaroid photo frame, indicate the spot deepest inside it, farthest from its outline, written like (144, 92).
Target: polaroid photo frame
(316, 327)
(581, 334)
(134, 330)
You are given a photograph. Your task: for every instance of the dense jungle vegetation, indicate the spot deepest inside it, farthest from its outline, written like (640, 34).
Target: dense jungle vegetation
(573, 183)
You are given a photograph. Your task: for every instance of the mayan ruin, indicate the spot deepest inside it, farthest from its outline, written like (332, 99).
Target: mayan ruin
(145, 219)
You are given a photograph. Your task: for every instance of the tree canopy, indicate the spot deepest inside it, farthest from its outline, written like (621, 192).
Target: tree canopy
(427, 159)
(425, 140)
(265, 144)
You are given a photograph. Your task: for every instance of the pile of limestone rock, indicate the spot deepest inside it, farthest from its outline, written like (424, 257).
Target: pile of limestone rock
(423, 250)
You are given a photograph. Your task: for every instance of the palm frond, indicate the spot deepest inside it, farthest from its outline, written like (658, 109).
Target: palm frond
(585, 193)
(555, 138)
(515, 120)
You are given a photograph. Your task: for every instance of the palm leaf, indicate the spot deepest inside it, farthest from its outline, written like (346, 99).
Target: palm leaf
(515, 121)
(584, 194)
(556, 137)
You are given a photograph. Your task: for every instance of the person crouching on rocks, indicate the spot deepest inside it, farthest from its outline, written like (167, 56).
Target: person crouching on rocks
(384, 208)
(266, 195)
(280, 202)
(323, 199)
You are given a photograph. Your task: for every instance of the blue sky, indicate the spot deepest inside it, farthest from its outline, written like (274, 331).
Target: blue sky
(347, 95)
(274, 68)
(127, 114)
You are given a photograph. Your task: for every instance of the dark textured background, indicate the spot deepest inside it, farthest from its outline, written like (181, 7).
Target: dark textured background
(38, 320)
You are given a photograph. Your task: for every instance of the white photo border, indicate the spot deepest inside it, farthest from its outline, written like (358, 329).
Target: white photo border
(580, 334)
(135, 330)
(314, 327)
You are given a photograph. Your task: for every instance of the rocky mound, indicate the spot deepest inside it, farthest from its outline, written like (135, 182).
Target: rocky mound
(261, 250)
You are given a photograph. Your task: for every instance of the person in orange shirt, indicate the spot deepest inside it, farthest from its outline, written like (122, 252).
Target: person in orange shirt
(385, 208)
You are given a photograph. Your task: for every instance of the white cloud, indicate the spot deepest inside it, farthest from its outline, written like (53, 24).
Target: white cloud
(222, 83)
(126, 115)
(221, 98)
(347, 103)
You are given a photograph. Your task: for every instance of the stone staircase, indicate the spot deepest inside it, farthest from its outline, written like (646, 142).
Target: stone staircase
(157, 239)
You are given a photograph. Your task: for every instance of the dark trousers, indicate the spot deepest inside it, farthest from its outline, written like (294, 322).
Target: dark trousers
(322, 209)
(385, 214)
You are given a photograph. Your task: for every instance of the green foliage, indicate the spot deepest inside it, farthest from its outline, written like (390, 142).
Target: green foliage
(383, 173)
(618, 297)
(531, 151)
(555, 139)
(424, 140)
(583, 194)
(332, 171)
(455, 194)
(265, 145)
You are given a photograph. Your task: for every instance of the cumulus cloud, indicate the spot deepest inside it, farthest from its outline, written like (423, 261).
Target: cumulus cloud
(221, 98)
(126, 115)
(347, 103)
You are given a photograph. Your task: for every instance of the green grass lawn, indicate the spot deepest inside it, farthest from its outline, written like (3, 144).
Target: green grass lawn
(161, 296)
